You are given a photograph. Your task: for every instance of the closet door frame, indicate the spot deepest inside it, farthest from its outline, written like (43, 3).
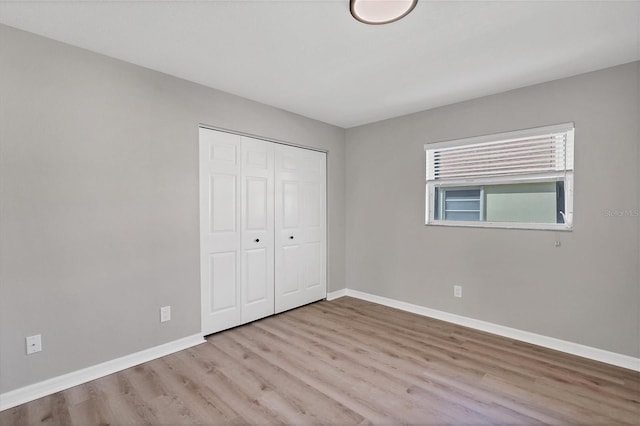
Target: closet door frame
(204, 220)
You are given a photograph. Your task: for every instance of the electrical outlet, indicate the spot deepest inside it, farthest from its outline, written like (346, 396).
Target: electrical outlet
(165, 313)
(457, 290)
(34, 344)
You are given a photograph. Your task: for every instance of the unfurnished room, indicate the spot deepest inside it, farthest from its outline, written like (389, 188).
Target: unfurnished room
(328, 212)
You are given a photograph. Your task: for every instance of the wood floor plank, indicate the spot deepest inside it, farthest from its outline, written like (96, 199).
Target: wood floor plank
(447, 372)
(349, 362)
(206, 406)
(374, 372)
(223, 381)
(307, 404)
(377, 386)
(508, 368)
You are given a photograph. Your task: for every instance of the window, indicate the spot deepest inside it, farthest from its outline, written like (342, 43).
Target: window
(521, 179)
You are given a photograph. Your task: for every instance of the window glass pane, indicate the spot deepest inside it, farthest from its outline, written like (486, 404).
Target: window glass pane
(539, 202)
(524, 203)
(461, 194)
(462, 204)
(466, 216)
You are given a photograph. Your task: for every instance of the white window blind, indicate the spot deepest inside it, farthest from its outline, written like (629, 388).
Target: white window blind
(525, 155)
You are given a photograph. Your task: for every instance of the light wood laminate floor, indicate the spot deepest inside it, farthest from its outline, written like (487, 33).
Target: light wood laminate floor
(350, 362)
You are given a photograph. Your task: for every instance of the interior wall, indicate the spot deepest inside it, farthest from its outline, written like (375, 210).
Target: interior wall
(99, 202)
(586, 291)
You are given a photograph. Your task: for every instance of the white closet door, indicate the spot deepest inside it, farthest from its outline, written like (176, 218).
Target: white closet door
(300, 222)
(257, 229)
(220, 255)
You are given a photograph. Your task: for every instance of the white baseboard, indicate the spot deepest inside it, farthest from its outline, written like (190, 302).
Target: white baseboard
(589, 352)
(66, 381)
(56, 384)
(336, 294)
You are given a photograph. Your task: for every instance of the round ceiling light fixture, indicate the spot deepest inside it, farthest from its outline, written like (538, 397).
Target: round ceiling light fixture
(376, 12)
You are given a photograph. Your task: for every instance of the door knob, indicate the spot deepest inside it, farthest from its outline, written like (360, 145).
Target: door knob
(291, 237)
(257, 240)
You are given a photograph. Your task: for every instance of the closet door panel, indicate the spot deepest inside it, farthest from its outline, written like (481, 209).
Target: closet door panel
(257, 229)
(220, 257)
(313, 225)
(300, 227)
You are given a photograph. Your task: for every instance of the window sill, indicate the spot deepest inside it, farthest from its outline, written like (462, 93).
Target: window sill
(504, 225)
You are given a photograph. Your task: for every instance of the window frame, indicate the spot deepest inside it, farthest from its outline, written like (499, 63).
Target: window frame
(566, 176)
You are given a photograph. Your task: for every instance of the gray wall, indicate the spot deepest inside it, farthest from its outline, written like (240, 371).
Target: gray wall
(585, 291)
(99, 202)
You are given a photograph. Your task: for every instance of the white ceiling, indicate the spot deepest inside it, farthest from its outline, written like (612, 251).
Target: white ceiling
(310, 57)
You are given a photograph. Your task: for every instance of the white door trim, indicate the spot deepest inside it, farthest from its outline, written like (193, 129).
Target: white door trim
(264, 138)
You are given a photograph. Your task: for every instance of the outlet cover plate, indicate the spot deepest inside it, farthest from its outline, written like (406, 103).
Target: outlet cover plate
(34, 344)
(457, 290)
(165, 313)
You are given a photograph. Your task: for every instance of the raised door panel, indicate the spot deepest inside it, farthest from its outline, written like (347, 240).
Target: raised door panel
(312, 265)
(223, 281)
(257, 270)
(290, 269)
(312, 202)
(256, 199)
(222, 199)
(219, 230)
(290, 211)
(257, 229)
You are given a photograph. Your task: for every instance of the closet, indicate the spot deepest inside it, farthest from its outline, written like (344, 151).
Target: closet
(262, 228)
